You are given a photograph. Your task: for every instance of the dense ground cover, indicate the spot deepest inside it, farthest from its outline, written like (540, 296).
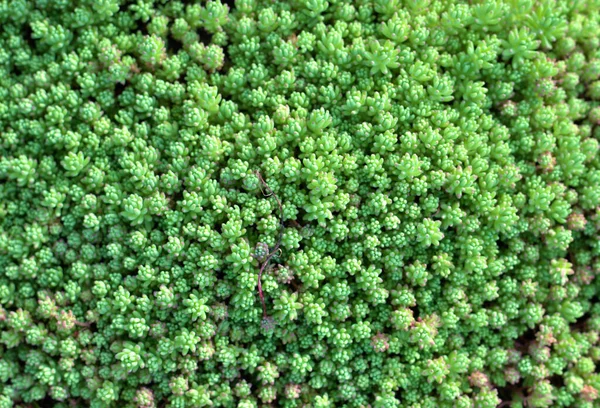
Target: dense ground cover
(306, 203)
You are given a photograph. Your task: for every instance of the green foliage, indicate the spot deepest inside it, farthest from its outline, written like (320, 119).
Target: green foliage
(409, 188)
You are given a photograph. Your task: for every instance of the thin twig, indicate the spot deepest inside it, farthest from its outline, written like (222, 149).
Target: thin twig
(267, 192)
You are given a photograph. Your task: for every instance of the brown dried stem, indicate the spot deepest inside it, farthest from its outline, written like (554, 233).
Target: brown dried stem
(267, 192)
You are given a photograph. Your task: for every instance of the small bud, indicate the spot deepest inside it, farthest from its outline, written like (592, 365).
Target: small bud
(479, 379)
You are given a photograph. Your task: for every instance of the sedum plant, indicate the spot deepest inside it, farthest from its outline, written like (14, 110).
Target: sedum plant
(306, 203)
